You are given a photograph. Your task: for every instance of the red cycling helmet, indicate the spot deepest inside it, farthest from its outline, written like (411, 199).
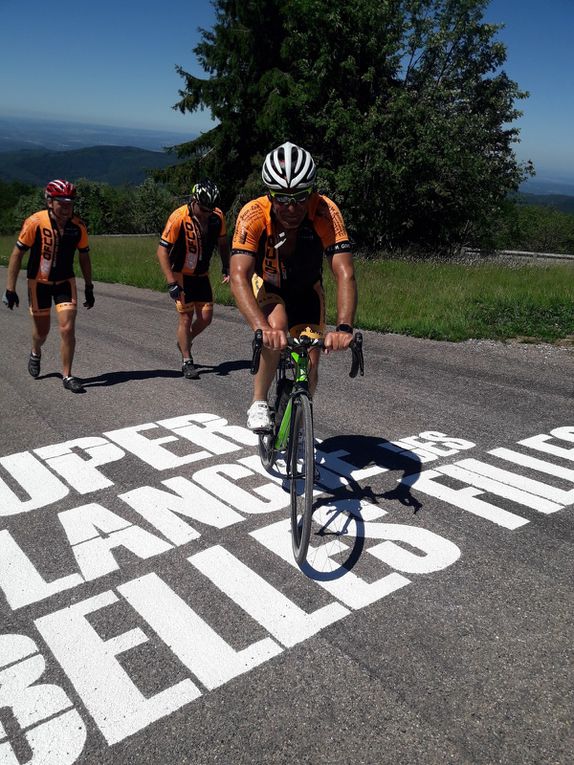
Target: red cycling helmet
(62, 190)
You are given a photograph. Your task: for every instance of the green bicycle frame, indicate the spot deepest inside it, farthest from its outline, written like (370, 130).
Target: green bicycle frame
(301, 379)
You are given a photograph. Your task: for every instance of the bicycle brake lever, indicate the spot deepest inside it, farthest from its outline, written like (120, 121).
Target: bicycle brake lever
(358, 362)
(256, 346)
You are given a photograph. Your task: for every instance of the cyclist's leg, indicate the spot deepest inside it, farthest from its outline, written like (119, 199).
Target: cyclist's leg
(66, 309)
(277, 318)
(203, 298)
(258, 415)
(185, 308)
(184, 333)
(273, 306)
(40, 300)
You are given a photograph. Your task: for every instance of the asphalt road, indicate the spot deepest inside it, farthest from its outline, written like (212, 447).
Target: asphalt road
(150, 608)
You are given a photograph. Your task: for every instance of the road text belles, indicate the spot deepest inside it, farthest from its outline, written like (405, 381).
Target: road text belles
(225, 490)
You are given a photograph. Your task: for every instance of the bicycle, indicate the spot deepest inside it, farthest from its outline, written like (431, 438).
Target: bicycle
(292, 430)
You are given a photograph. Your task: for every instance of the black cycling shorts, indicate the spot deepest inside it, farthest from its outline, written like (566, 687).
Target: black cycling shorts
(305, 307)
(197, 293)
(41, 295)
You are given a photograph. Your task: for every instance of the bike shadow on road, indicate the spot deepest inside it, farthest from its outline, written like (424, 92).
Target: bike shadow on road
(342, 510)
(364, 453)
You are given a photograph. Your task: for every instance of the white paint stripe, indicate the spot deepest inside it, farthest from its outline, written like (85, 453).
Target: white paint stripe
(465, 499)
(341, 583)
(520, 482)
(210, 658)
(118, 707)
(36, 480)
(540, 444)
(482, 481)
(534, 463)
(280, 616)
(21, 582)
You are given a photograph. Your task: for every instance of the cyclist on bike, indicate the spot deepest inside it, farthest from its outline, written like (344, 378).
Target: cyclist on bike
(53, 236)
(184, 253)
(276, 267)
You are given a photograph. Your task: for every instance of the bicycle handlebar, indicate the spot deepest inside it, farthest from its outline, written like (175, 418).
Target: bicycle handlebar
(356, 346)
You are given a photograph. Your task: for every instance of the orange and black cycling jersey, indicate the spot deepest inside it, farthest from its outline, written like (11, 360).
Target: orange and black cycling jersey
(51, 252)
(322, 232)
(190, 250)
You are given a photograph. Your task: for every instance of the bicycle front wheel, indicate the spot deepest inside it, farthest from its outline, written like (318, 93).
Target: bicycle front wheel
(302, 475)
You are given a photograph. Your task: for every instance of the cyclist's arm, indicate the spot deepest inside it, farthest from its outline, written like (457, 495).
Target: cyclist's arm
(14, 265)
(165, 265)
(344, 272)
(223, 247)
(241, 272)
(85, 266)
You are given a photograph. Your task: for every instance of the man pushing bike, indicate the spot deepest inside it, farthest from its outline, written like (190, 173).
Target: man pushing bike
(276, 268)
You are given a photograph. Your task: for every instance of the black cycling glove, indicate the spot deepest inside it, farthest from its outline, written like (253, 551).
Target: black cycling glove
(11, 299)
(89, 293)
(174, 289)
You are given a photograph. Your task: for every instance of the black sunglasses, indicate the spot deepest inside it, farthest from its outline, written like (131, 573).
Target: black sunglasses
(295, 198)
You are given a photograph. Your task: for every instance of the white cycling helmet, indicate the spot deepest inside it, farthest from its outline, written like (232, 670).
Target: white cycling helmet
(288, 168)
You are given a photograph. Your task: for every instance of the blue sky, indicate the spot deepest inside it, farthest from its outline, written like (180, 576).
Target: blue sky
(113, 63)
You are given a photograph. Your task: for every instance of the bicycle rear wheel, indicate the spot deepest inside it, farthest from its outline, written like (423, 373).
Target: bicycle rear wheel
(302, 476)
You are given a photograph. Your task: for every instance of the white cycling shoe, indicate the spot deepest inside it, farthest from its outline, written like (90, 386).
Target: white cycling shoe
(258, 419)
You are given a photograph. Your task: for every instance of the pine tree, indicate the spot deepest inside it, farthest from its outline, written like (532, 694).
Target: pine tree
(403, 103)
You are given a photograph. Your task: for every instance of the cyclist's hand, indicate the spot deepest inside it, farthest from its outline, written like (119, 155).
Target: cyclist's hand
(89, 295)
(274, 339)
(11, 299)
(174, 289)
(337, 341)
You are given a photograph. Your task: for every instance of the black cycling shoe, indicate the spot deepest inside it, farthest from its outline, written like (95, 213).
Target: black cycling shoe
(34, 365)
(73, 384)
(189, 370)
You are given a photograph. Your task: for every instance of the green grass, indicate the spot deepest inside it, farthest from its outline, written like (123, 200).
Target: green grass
(454, 301)
(446, 301)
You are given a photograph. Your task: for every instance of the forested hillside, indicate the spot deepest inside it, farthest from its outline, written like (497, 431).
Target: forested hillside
(116, 165)
(562, 202)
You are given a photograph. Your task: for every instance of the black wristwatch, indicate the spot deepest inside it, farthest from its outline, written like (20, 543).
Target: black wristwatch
(344, 328)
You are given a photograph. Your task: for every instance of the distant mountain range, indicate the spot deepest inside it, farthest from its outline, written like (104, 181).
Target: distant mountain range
(35, 150)
(562, 202)
(116, 165)
(545, 183)
(26, 133)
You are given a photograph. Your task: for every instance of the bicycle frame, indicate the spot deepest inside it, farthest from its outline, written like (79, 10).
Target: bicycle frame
(300, 387)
